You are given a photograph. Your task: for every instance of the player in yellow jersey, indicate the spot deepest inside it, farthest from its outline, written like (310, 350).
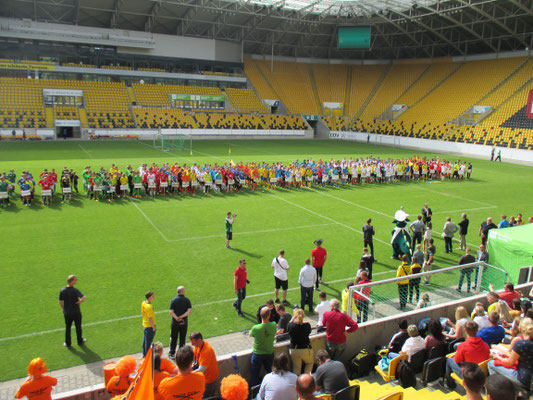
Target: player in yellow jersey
(123, 185)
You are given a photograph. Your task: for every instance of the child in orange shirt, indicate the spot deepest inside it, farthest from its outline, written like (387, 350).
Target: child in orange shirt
(37, 386)
(120, 383)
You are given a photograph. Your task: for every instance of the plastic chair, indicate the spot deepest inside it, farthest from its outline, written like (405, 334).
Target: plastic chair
(392, 396)
(349, 393)
(433, 369)
(483, 365)
(438, 351)
(390, 374)
(417, 361)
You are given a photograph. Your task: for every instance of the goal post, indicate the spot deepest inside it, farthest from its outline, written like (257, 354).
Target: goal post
(176, 141)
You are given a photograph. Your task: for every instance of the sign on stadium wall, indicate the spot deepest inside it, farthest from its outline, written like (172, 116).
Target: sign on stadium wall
(63, 92)
(332, 106)
(27, 66)
(271, 103)
(67, 122)
(197, 97)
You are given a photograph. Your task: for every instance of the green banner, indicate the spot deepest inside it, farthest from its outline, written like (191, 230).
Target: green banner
(311, 117)
(197, 97)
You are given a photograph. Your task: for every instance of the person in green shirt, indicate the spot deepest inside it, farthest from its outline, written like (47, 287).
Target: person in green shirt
(11, 177)
(97, 186)
(229, 228)
(4, 187)
(263, 350)
(137, 184)
(86, 176)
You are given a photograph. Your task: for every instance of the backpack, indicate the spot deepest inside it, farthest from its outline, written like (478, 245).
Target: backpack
(405, 374)
(361, 364)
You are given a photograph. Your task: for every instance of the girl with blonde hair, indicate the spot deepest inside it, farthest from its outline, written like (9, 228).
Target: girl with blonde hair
(300, 347)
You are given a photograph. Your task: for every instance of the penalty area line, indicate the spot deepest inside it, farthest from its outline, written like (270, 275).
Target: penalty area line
(108, 321)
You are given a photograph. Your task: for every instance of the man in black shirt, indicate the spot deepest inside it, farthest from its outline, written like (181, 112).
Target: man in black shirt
(368, 234)
(463, 230)
(70, 299)
(484, 229)
(274, 316)
(180, 308)
(369, 261)
(466, 259)
(426, 214)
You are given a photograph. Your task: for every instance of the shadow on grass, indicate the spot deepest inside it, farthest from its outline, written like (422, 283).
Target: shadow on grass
(247, 253)
(85, 354)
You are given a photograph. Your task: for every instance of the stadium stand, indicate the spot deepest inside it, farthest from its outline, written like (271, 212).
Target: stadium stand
(158, 95)
(245, 100)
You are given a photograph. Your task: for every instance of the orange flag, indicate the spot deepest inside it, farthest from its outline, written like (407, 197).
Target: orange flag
(142, 387)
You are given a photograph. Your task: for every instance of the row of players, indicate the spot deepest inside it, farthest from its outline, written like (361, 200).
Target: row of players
(107, 184)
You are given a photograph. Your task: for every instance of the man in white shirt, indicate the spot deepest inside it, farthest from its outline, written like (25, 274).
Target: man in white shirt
(321, 308)
(281, 266)
(307, 280)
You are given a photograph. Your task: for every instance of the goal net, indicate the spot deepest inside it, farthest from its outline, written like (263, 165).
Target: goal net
(174, 142)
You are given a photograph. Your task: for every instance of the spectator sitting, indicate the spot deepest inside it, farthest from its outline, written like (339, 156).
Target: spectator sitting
(159, 375)
(492, 298)
(400, 337)
(523, 326)
(424, 302)
(473, 380)
(503, 310)
(120, 383)
(461, 317)
(274, 317)
(500, 388)
(525, 305)
(480, 317)
(516, 311)
(494, 333)
(187, 384)
(330, 376)
(280, 383)
(166, 365)
(412, 345)
(508, 294)
(37, 382)
(473, 349)
(435, 337)
(305, 387)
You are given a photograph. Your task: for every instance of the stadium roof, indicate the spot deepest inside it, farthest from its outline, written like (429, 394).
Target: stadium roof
(307, 28)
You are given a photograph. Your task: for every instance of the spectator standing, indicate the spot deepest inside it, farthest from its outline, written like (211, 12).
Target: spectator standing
(70, 299)
(263, 349)
(206, 363)
(484, 229)
(321, 308)
(426, 214)
(417, 227)
(187, 384)
(427, 235)
(239, 283)
(429, 258)
(330, 376)
(368, 235)
(362, 268)
(482, 256)
(306, 279)
(466, 259)
(274, 317)
(361, 297)
(403, 286)
(284, 319)
(280, 383)
(463, 231)
(148, 321)
(300, 347)
(503, 222)
(38, 385)
(414, 283)
(336, 322)
(281, 266)
(369, 260)
(418, 255)
(180, 308)
(447, 233)
(319, 256)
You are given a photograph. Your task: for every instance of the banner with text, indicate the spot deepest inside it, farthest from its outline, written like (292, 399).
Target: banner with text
(63, 92)
(197, 97)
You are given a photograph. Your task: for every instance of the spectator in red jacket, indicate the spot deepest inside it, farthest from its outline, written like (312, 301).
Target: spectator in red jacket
(336, 322)
(508, 295)
(473, 350)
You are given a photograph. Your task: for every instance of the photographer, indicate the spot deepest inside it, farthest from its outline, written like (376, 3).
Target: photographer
(229, 228)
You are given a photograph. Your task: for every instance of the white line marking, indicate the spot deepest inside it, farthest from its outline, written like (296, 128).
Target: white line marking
(350, 202)
(86, 152)
(107, 321)
(455, 196)
(210, 155)
(149, 220)
(249, 233)
(464, 209)
(324, 217)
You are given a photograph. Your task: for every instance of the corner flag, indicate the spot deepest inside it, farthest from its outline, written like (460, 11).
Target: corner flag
(229, 150)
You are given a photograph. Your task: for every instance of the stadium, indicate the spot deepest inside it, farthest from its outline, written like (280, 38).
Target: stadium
(149, 147)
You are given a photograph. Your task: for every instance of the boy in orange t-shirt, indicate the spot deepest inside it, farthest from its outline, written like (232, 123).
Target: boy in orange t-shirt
(37, 386)
(120, 383)
(187, 384)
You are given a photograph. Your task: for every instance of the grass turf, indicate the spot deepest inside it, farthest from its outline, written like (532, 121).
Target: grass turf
(122, 249)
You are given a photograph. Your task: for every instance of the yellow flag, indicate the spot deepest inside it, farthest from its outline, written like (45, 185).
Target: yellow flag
(231, 163)
(229, 150)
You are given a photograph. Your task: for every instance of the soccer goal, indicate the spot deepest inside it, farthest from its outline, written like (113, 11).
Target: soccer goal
(170, 142)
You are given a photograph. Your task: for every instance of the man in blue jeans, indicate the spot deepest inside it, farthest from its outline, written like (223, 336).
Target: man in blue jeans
(263, 350)
(148, 315)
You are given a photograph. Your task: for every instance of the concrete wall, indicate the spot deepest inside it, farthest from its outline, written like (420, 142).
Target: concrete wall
(201, 134)
(517, 156)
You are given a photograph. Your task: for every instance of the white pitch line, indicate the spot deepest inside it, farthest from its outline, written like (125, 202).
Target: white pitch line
(453, 195)
(210, 155)
(86, 152)
(324, 217)
(149, 220)
(350, 202)
(249, 233)
(464, 209)
(108, 321)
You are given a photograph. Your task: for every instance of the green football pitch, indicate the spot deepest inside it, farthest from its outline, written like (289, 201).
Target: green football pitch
(122, 249)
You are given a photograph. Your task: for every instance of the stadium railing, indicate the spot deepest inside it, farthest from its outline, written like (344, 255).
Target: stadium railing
(384, 298)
